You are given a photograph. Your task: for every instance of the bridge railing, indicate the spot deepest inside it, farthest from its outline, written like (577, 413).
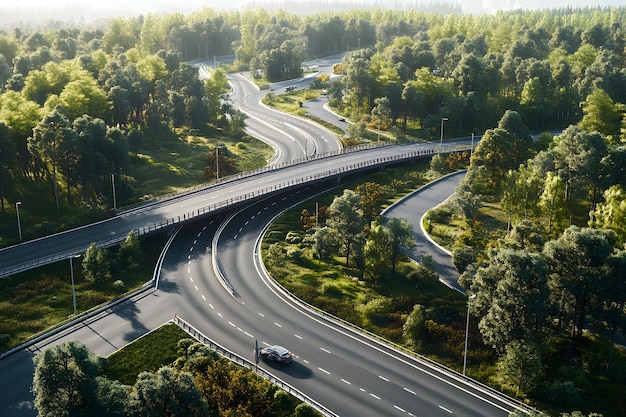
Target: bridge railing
(203, 211)
(196, 334)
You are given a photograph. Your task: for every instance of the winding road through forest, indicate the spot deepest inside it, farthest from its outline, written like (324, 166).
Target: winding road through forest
(349, 372)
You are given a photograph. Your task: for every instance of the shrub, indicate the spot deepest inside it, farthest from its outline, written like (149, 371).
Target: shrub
(293, 238)
(295, 254)
(331, 290)
(274, 236)
(376, 307)
(563, 393)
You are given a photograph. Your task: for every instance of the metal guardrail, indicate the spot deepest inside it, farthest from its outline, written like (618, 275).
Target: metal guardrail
(195, 214)
(402, 350)
(196, 334)
(390, 344)
(94, 311)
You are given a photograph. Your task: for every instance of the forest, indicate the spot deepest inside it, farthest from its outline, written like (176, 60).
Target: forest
(76, 102)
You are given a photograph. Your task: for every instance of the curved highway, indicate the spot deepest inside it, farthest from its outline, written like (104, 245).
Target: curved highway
(346, 371)
(291, 137)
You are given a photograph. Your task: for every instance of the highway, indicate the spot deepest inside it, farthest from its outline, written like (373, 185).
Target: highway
(349, 373)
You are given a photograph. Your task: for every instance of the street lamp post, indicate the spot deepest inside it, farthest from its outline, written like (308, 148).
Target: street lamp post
(19, 225)
(72, 275)
(472, 148)
(114, 198)
(217, 162)
(443, 119)
(467, 333)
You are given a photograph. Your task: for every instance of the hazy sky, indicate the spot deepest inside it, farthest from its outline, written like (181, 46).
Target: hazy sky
(156, 6)
(135, 5)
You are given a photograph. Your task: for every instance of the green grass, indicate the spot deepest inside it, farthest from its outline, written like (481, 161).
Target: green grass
(35, 300)
(148, 353)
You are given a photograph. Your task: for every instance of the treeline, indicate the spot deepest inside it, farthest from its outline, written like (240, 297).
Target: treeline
(467, 71)
(69, 380)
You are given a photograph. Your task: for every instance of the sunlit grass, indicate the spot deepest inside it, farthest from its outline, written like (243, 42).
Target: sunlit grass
(141, 355)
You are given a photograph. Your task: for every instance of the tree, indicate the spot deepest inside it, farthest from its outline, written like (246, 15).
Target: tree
(370, 199)
(96, 265)
(21, 116)
(304, 410)
(8, 152)
(401, 240)
(219, 163)
(611, 214)
(524, 236)
(521, 367)
(469, 75)
(83, 96)
(65, 381)
(346, 219)
(521, 193)
(414, 326)
(412, 100)
(552, 201)
(493, 157)
(47, 141)
(512, 297)
(358, 79)
(214, 87)
(600, 114)
(91, 163)
(577, 264)
(578, 159)
(519, 138)
(613, 297)
(376, 252)
(130, 249)
(167, 393)
(382, 112)
(325, 243)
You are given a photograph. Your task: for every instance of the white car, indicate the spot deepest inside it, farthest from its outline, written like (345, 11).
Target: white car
(276, 353)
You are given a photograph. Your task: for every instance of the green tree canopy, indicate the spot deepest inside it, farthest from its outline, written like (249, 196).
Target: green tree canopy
(65, 381)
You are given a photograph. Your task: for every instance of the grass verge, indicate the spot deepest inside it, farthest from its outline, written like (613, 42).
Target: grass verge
(141, 355)
(38, 299)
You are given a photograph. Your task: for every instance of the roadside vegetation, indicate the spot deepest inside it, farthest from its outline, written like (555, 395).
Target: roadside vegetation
(181, 378)
(37, 300)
